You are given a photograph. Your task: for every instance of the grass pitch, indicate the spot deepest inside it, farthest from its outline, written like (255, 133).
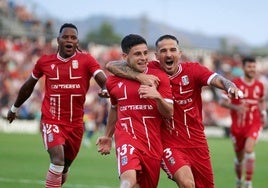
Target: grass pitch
(24, 163)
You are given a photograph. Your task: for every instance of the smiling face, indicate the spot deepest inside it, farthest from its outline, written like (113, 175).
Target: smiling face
(168, 54)
(68, 42)
(137, 57)
(249, 70)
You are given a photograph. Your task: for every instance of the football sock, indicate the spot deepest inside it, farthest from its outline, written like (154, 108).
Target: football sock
(238, 169)
(64, 177)
(54, 176)
(250, 163)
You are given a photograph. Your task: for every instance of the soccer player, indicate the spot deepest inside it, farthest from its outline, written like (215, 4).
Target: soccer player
(135, 119)
(67, 74)
(186, 157)
(248, 116)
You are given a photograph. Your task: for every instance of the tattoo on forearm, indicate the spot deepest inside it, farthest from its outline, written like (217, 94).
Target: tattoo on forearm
(224, 82)
(227, 83)
(123, 71)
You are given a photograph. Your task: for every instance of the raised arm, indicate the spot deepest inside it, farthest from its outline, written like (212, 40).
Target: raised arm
(120, 68)
(225, 84)
(24, 93)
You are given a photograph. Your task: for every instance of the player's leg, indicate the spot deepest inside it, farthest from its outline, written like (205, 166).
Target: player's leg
(249, 161)
(238, 166)
(53, 142)
(66, 170)
(238, 145)
(201, 167)
(71, 148)
(184, 177)
(177, 166)
(149, 175)
(128, 179)
(54, 174)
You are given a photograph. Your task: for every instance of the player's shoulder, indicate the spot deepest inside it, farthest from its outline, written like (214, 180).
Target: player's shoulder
(83, 54)
(190, 64)
(47, 58)
(156, 71)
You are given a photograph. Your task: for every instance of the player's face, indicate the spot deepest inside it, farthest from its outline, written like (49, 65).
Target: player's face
(68, 42)
(250, 70)
(168, 54)
(137, 58)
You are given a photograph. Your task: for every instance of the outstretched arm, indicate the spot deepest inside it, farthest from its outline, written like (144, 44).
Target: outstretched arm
(105, 142)
(24, 93)
(121, 69)
(225, 84)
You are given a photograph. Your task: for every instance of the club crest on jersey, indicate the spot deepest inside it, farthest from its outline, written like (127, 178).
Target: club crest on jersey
(75, 64)
(185, 80)
(124, 160)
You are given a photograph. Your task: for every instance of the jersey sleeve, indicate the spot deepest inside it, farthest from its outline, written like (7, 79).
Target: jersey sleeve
(94, 66)
(164, 88)
(109, 86)
(203, 74)
(37, 70)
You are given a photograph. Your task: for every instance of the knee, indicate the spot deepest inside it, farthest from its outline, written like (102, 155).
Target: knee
(57, 160)
(126, 184)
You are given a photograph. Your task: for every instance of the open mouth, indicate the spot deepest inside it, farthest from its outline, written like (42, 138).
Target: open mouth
(69, 46)
(169, 62)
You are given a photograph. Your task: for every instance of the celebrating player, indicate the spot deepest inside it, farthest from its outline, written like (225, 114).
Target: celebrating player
(186, 154)
(135, 119)
(248, 116)
(67, 74)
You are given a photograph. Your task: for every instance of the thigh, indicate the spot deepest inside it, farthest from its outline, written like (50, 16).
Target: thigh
(149, 175)
(52, 134)
(201, 167)
(73, 138)
(173, 159)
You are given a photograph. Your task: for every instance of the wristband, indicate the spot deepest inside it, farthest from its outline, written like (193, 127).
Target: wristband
(104, 90)
(13, 109)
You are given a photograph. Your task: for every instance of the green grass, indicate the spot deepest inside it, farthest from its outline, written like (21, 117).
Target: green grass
(24, 163)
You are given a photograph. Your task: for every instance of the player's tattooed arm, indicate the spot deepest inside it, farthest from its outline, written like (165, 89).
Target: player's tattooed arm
(122, 69)
(227, 85)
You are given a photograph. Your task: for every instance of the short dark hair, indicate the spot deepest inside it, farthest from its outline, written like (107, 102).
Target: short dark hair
(131, 40)
(68, 25)
(248, 59)
(166, 37)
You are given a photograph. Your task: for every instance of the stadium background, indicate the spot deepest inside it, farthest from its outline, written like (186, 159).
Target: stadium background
(24, 37)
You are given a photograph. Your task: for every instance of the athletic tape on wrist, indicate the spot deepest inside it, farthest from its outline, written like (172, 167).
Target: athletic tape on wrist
(13, 109)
